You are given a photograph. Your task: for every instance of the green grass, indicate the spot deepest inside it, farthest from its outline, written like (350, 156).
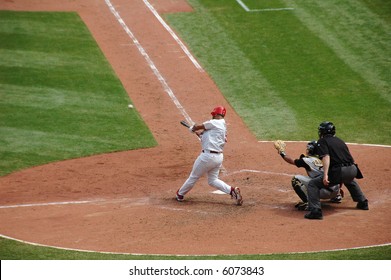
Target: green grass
(59, 97)
(14, 250)
(285, 72)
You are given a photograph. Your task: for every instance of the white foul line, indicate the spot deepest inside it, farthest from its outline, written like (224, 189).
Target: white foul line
(348, 143)
(48, 204)
(135, 202)
(260, 171)
(172, 33)
(152, 65)
(244, 6)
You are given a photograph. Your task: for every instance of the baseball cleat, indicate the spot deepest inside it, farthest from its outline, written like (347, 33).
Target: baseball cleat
(299, 203)
(302, 206)
(235, 194)
(363, 205)
(315, 214)
(337, 199)
(179, 197)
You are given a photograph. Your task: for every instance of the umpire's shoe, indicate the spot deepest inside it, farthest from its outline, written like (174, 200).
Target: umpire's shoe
(314, 214)
(363, 205)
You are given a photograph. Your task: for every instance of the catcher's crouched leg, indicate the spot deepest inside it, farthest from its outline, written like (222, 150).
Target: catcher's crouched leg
(300, 189)
(334, 193)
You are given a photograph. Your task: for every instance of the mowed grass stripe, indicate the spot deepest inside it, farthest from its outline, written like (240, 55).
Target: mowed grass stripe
(356, 34)
(41, 60)
(59, 97)
(256, 56)
(52, 98)
(245, 87)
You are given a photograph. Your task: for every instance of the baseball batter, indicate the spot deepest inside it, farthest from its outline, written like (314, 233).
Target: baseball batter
(213, 135)
(314, 168)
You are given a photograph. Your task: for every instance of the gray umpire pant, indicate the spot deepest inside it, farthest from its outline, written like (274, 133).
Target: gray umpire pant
(337, 175)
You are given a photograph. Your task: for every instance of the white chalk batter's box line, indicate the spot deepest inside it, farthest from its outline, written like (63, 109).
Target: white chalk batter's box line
(129, 201)
(148, 59)
(247, 9)
(138, 201)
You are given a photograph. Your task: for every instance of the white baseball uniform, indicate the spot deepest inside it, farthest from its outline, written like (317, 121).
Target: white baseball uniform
(211, 158)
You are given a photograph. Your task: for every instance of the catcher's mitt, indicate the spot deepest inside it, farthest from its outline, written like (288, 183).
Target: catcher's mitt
(280, 146)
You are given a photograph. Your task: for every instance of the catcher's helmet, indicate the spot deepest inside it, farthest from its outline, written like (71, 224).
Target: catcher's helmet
(220, 110)
(326, 128)
(311, 148)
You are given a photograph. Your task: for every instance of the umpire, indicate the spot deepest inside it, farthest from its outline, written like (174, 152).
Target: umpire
(339, 167)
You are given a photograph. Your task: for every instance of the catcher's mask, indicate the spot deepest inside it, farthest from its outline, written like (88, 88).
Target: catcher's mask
(220, 110)
(326, 128)
(311, 146)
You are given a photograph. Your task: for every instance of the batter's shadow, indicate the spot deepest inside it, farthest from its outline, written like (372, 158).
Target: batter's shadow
(204, 202)
(199, 201)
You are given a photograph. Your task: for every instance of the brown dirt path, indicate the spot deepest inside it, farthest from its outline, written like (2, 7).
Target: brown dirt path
(126, 200)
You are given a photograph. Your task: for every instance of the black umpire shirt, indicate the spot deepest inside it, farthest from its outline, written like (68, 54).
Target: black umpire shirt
(337, 150)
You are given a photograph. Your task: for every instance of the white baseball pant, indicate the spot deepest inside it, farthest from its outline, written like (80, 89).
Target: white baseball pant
(210, 164)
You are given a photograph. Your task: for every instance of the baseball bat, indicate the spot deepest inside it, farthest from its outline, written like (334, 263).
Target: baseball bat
(184, 123)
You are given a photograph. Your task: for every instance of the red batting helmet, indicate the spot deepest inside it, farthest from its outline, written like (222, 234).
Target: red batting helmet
(220, 110)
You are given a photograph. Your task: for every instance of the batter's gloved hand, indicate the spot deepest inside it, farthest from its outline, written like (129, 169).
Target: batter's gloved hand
(280, 146)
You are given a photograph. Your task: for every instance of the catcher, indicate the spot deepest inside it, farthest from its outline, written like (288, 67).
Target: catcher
(314, 168)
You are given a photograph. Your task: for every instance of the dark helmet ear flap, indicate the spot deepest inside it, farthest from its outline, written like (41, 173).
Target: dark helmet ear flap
(326, 128)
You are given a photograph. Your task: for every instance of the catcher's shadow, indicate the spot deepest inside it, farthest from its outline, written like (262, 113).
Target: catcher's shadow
(328, 209)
